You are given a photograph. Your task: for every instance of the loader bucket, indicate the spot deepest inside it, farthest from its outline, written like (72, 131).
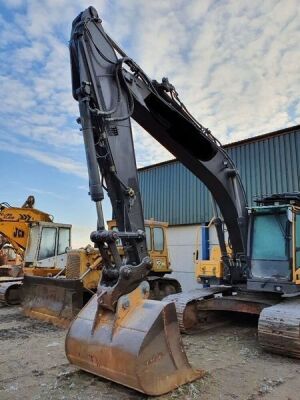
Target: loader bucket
(138, 346)
(55, 300)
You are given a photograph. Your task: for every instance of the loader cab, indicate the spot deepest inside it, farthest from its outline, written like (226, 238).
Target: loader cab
(156, 234)
(156, 237)
(274, 249)
(48, 243)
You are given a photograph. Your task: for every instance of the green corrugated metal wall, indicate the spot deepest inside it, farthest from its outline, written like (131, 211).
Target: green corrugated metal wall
(270, 164)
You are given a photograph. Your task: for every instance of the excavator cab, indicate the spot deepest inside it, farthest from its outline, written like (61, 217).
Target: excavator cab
(273, 246)
(270, 243)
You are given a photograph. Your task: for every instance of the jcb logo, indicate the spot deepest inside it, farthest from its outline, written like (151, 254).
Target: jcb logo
(18, 233)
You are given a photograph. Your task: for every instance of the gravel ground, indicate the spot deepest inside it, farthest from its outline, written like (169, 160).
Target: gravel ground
(34, 367)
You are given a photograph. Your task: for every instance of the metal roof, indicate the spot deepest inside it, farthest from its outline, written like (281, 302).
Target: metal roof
(267, 164)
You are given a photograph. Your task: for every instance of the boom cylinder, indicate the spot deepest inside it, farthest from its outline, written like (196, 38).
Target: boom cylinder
(95, 186)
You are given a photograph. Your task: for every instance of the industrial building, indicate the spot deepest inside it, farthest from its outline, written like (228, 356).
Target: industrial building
(268, 163)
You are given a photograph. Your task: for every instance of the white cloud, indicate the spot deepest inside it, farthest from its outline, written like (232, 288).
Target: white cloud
(61, 163)
(234, 64)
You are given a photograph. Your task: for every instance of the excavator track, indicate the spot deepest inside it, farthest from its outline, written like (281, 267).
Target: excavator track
(189, 318)
(279, 328)
(160, 287)
(10, 293)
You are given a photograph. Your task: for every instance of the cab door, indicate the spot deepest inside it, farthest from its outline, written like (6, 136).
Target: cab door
(158, 249)
(296, 246)
(55, 240)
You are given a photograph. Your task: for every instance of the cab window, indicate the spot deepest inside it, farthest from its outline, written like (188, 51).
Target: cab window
(63, 240)
(158, 239)
(48, 243)
(148, 238)
(269, 237)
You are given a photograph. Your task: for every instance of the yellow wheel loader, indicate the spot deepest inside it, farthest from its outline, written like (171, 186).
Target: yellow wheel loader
(120, 334)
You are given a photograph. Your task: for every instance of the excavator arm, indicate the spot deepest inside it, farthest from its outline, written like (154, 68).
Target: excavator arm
(106, 127)
(111, 88)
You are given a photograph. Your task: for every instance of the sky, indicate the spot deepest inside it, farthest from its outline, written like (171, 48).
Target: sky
(234, 64)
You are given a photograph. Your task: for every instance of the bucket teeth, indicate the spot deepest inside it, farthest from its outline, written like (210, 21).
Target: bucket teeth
(138, 346)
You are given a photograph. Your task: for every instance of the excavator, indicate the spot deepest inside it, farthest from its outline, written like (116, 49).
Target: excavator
(121, 334)
(40, 247)
(17, 231)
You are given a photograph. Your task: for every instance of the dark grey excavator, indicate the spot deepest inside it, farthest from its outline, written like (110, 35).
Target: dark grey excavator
(120, 334)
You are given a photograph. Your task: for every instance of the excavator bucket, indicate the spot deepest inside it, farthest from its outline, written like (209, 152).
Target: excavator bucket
(138, 346)
(55, 300)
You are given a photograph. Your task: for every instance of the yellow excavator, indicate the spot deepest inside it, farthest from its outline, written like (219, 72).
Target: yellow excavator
(37, 246)
(120, 334)
(15, 229)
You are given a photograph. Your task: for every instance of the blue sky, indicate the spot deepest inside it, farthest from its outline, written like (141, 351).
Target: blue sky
(234, 64)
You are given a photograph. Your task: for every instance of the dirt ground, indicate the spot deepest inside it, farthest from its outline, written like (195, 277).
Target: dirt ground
(33, 366)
